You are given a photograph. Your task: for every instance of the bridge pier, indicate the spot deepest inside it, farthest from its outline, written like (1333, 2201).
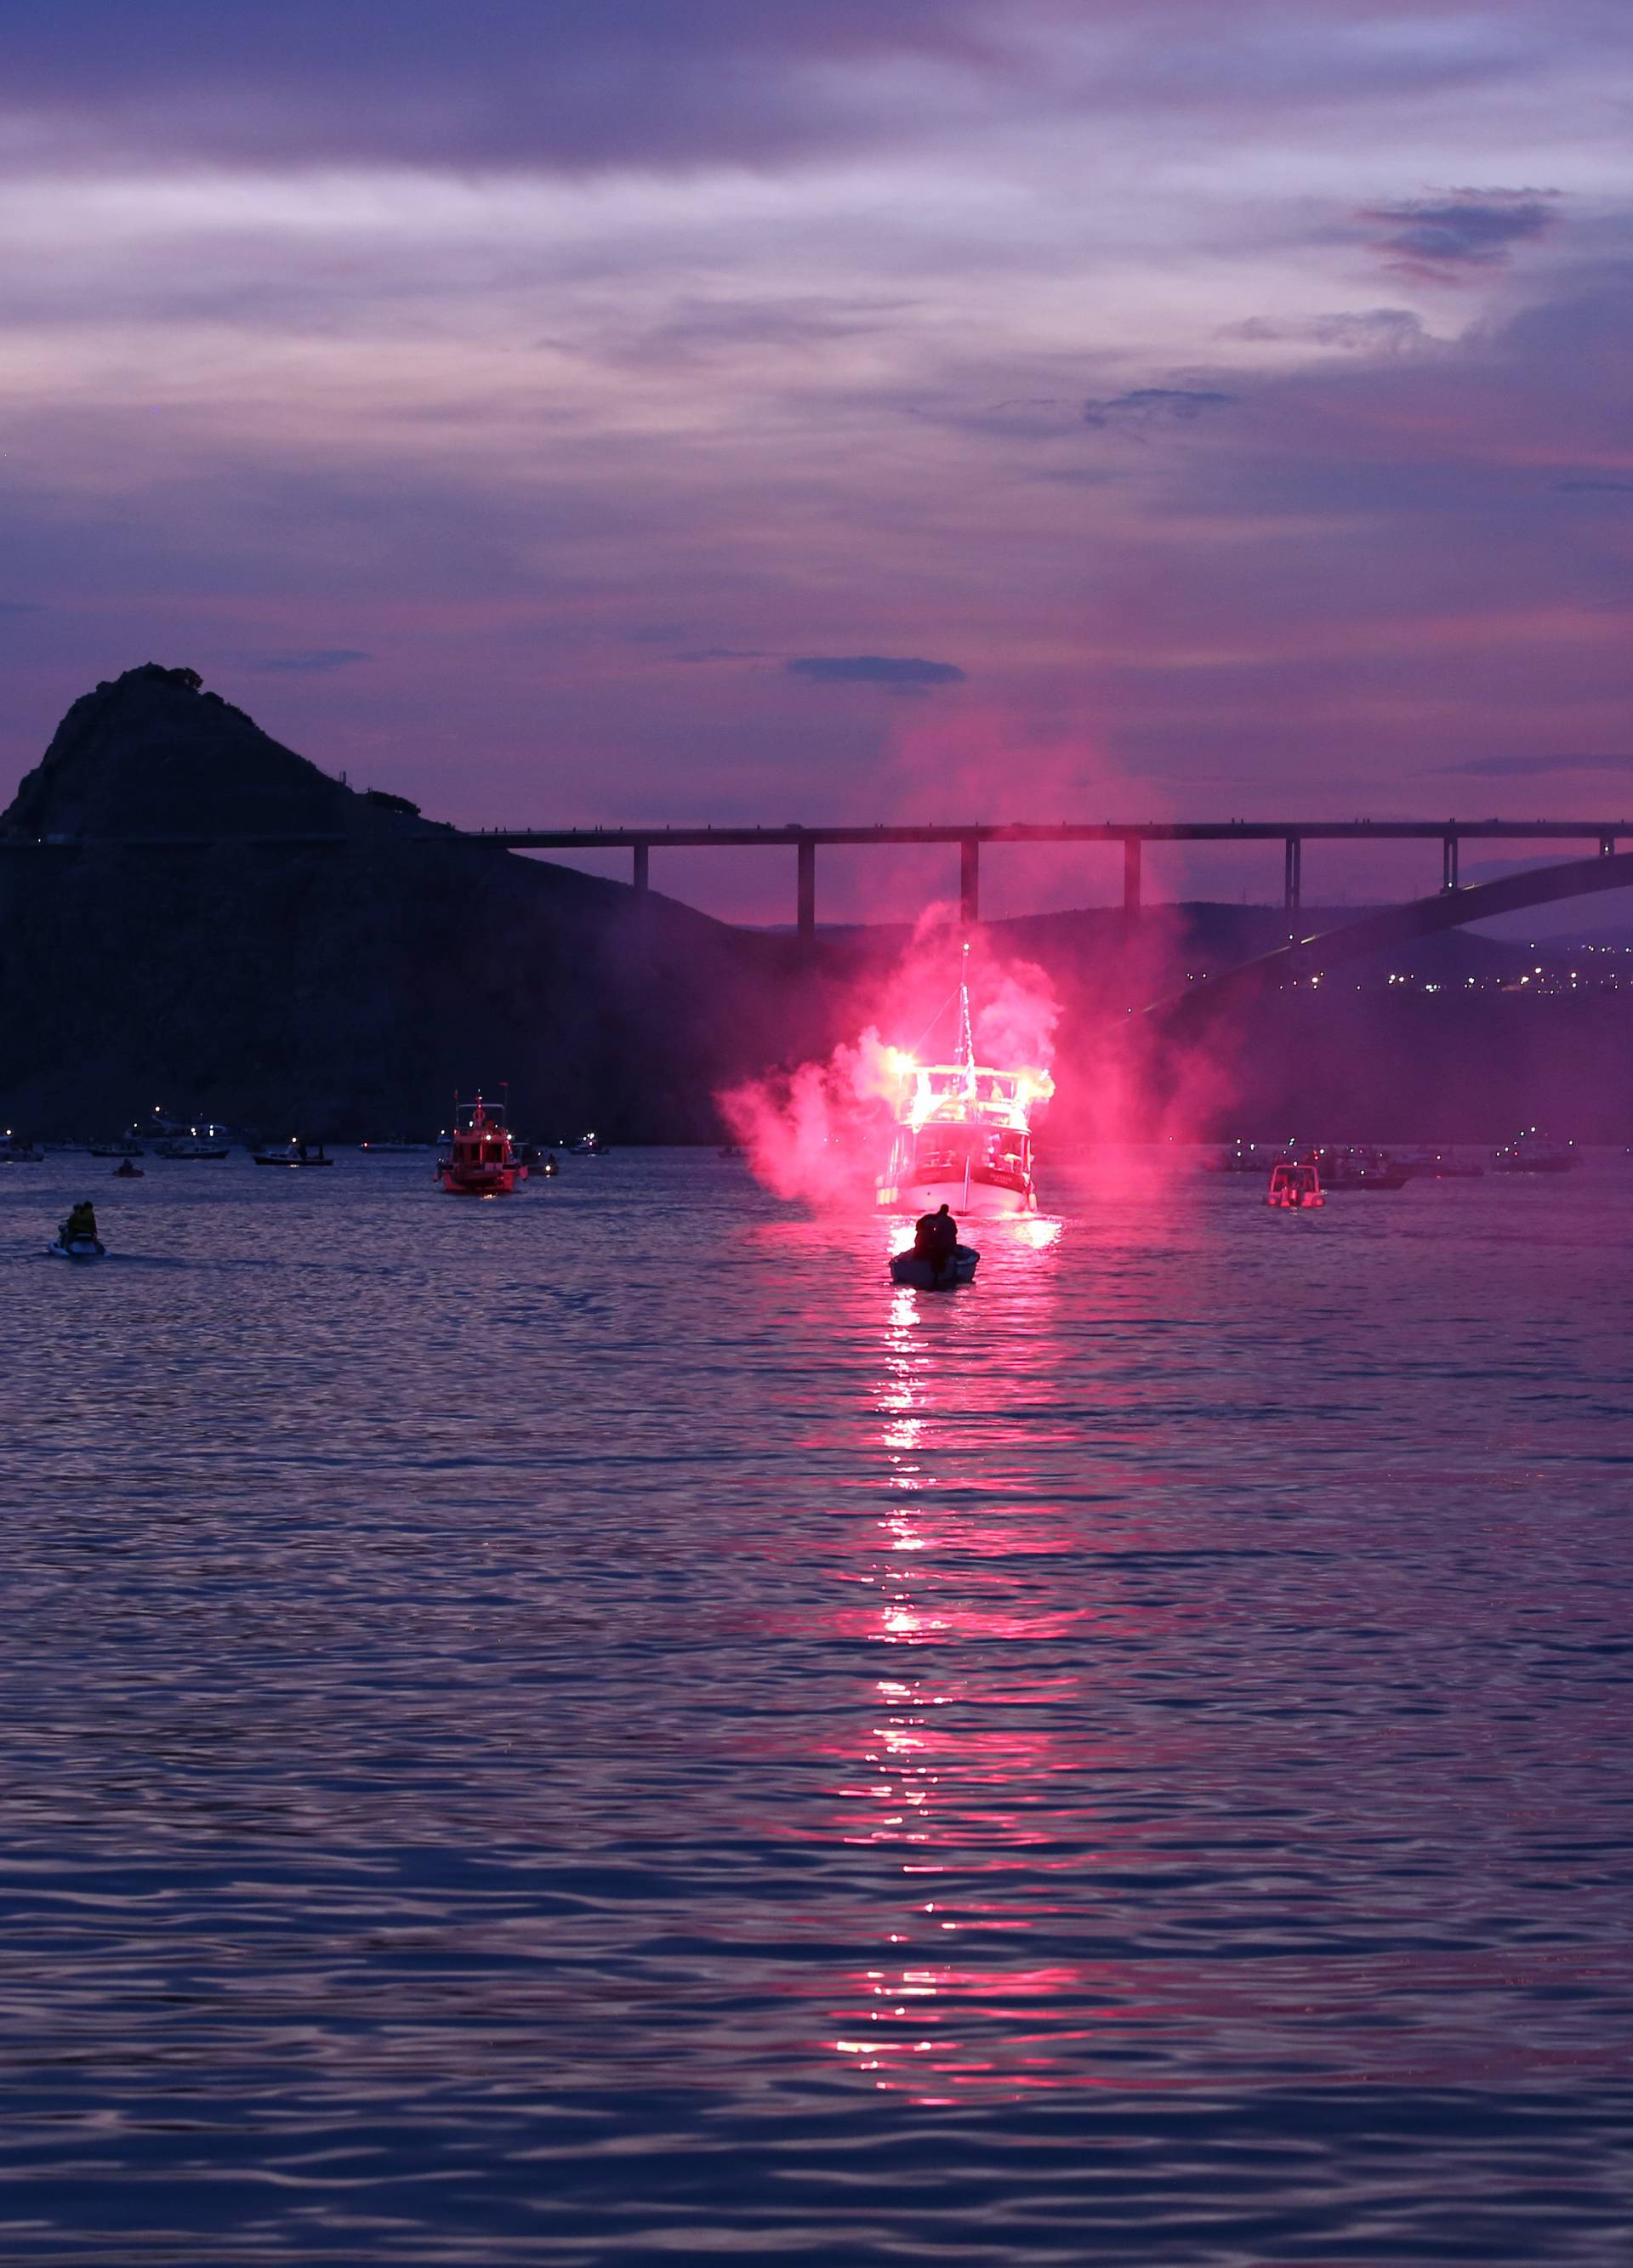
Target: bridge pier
(1448, 863)
(643, 867)
(1292, 869)
(1131, 873)
(805, 865)
(970, 879)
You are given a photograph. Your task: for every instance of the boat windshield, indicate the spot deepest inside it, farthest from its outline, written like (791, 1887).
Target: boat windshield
(952, 1146)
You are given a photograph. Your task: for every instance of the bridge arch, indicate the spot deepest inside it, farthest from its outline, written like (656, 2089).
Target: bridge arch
(1374, 932)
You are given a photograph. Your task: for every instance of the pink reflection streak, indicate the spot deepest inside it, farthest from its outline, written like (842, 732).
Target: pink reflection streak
(928, 1786)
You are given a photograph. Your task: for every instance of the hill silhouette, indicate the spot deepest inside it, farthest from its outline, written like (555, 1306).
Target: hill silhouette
(344, 985)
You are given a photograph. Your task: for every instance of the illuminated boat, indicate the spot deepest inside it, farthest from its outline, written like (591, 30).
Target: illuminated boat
(962, 1134)
(1534, 1153)
(483, 1160)
(205, 1141)
(294, 1152)
(1295, 1188)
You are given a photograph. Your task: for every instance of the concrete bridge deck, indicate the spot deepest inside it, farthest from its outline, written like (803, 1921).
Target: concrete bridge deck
(968, 836)
(1132, 834)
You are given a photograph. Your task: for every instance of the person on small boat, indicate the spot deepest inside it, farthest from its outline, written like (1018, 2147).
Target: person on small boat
(80, 1222)
(936, 1239)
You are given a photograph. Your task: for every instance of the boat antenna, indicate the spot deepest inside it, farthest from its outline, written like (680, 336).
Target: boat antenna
(967, 1039)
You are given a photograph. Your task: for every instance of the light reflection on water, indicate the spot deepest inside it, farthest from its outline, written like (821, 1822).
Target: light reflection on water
(592, 1727)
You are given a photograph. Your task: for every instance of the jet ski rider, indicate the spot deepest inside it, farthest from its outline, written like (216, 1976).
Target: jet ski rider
(81, 1222)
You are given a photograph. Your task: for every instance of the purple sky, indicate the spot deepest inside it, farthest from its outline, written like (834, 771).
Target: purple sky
(854, 410)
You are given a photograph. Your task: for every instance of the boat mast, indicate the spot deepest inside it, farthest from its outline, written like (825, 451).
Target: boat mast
(965, 1056)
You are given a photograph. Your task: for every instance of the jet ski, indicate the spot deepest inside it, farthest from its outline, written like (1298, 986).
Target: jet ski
(907, 1268)
(128, 1171)
(77, 1248)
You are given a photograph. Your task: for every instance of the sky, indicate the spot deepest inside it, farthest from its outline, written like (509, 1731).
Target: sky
(720, 410)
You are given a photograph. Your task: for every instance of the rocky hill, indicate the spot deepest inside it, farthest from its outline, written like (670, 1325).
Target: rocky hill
(341, 985)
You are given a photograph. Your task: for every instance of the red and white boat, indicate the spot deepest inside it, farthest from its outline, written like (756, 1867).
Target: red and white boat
(483, 1158)
(963, 1135)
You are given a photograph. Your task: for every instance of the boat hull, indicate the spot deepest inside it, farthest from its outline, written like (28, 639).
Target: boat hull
(981, 1201)
(78, 1248)
(499, 1183)
(907, 1268)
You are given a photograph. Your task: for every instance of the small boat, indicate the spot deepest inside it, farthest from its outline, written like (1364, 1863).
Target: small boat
(1295, 1188)
(128, 1171)
(126, 1147)
(1534, 1153)
(294, 1152)
(199, 1142)
(587, 1145)
(15, 1151)
(483, 1158)
(907, 1268)
(395, 1147)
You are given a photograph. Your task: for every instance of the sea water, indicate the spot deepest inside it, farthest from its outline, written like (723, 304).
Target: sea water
(589, 1728)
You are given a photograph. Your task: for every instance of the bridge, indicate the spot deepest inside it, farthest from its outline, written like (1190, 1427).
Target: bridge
(1606, 869)
(805, 841)
(1304, 957)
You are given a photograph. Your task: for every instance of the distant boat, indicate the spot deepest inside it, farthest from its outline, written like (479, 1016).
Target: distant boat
(1351, 1166)
(294, 1152)
(199, 1142)
(394, 1146)
(127, 1146)
(587, 1145)
(1534, 1153)
(483, 1160)
(1239, 1156)
(128, 1170)
(1438, 1166)
(14, 1151)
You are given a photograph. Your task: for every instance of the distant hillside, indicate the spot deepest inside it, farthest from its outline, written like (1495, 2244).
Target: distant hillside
(341, 987)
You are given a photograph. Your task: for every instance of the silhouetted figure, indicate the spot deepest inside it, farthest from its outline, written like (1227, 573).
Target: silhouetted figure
(936, 1239)
(81, 1222)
